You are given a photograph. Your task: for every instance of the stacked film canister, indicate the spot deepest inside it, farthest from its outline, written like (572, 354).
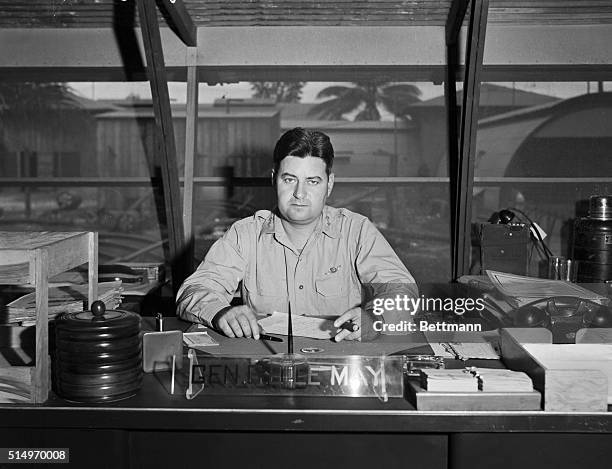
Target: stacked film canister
(98, 355)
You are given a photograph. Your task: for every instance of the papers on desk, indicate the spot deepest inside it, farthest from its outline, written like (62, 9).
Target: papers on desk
(463, 345)
(475, 379)
(520, 290)
(448, 380)
(502, 380)
(64, 299)
(198, 339)
(464, 350)
(303, 326)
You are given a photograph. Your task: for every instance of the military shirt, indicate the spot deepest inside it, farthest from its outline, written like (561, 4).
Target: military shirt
(344, 253)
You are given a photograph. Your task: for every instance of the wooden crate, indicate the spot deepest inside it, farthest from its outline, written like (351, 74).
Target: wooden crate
(30, 258)
(579, 385)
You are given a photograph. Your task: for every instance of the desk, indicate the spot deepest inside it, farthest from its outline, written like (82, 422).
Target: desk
(385, 345)
(155, 429)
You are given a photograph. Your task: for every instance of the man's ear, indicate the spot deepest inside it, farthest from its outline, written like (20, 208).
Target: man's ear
(330, 184)
(273, 177)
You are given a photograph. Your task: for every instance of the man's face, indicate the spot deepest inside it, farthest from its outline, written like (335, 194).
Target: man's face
(302, 188)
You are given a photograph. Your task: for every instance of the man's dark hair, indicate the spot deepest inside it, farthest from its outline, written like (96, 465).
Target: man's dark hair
(302, 143)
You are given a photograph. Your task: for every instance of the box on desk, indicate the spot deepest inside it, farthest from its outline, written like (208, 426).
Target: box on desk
(503, 247)
(571, 377)
(471, 401)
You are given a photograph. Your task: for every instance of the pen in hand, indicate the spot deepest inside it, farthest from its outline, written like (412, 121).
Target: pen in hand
(350, 326)
(270, 338)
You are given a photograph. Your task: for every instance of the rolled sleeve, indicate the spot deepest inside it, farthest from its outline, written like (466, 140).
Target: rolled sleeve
(211, 287)
(381, 271)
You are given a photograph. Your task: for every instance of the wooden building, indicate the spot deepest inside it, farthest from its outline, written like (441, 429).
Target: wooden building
(56, 141)
(233, 139)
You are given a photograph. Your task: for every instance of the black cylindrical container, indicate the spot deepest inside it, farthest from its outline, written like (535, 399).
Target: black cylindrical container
(98, 355)
(593, 241)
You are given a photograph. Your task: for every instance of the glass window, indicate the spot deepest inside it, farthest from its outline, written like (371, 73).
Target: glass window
(542, 150)
(387, 163)
(78, 145)
(389, 139)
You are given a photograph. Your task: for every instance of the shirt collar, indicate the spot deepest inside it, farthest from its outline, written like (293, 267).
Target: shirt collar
(329, 224)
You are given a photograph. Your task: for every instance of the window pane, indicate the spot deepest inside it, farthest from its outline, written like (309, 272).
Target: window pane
(107, 130)
(63, 133)
(554, 134)
(387, 165)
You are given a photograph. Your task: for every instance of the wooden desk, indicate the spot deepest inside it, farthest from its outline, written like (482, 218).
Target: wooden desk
(385, 345)
(156, 429)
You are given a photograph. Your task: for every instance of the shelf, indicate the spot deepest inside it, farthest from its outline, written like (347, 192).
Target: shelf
(30, 258)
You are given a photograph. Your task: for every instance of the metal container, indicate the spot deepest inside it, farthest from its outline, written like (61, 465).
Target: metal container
(98, 355)
(593, 241)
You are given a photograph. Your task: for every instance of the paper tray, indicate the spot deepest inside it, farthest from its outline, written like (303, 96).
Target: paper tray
(460, 401)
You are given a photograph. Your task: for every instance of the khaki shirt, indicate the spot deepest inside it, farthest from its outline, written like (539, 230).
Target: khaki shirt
(345, 252)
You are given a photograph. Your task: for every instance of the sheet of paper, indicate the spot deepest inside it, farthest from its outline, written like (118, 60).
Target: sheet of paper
(303, 326)
(441, 349)
(465, 350)
(198, 339)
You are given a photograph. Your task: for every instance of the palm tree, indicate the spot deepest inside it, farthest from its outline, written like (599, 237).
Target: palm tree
(394, 97)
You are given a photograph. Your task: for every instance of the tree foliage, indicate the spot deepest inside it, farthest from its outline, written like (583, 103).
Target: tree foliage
(34, 103)
(281, 91)
(367, 97)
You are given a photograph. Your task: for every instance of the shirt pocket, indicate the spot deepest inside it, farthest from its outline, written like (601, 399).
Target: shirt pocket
(331, 297)
(329, 286)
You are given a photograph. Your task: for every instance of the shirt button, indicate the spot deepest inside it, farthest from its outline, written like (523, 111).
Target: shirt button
(301, 287)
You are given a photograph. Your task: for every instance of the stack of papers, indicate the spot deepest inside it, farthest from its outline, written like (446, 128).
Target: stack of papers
(448, 380)
(66, 299)
(519, 290)
(499, 380)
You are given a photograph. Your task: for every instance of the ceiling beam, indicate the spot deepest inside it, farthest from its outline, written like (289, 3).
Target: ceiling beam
(507, 46)
(513, 53)
(456, 15)
(179, 21)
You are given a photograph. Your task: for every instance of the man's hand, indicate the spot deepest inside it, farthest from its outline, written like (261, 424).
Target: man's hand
(363, 319)
(237, 321)
(354, 316)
